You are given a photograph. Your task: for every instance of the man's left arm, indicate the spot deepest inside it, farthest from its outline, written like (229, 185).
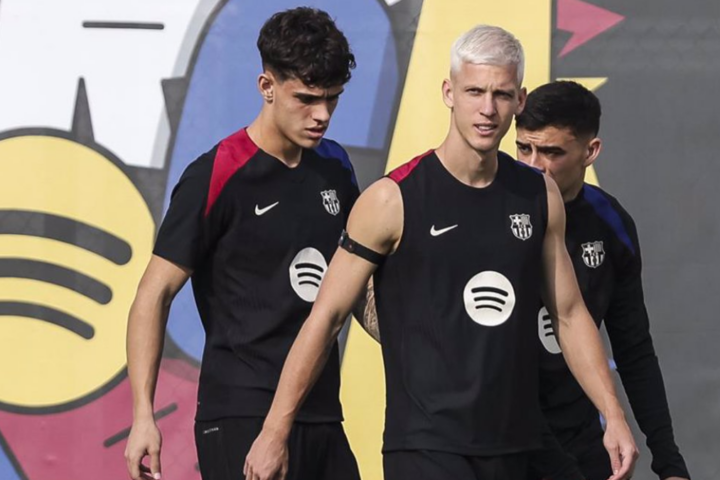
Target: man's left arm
(365, 312)
(579, 337)
(628, 328)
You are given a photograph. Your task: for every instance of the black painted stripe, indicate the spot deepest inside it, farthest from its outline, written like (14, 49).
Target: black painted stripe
(124, 25)
(66, 230)
(124, 433)
(48, 314)
(57, 275)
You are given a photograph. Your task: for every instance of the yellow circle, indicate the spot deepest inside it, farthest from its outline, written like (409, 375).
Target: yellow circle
(41, 177)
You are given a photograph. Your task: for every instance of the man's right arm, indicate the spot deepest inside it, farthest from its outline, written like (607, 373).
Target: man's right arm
(375, 223)
(145, 337)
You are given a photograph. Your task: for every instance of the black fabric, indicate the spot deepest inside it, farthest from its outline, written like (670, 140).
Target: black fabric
(613, 292)
(431, 465)
(258, 256)
(456, 383)
(351, 246)
(317, 451)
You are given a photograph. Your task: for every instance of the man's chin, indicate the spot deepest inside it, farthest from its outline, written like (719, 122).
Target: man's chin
(306, 142)
(486, 146)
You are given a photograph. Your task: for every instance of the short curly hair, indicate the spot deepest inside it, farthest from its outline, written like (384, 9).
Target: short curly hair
(304, 43)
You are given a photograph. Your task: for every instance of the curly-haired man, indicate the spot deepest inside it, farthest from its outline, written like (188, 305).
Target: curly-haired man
(254, 222)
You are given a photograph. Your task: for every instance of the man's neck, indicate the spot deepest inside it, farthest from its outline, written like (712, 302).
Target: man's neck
(571, 193)
(471, 167)
(263, 132)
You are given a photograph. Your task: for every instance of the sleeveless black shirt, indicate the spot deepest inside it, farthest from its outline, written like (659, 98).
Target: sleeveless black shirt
(457, 308)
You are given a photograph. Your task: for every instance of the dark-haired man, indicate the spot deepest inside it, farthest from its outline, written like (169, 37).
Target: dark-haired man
(557, 133)
(254, 222)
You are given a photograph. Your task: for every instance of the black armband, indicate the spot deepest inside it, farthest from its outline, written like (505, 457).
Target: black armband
(361, 251)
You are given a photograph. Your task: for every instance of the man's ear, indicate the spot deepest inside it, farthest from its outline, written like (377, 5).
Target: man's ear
(266, 85)
(447, 93)
(593, 150)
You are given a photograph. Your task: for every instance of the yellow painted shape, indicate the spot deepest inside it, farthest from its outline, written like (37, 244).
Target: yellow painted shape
(363, 399)
(44, 364)
(422, 123)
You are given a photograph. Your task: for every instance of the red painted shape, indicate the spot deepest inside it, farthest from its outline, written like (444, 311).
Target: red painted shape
(584, 20)
(71, 445)
(404, 170)
(232, 154)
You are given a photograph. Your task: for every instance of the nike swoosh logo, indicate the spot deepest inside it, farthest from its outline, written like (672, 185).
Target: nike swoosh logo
(435, 233)
(262, 211)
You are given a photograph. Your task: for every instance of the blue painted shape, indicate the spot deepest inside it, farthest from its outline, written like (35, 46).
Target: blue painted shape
(223, 97)
(7, 470)
(607, 212)
(331, 149)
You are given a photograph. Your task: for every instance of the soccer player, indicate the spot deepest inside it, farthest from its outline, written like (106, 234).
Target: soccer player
(557, 133)
(461, 240)
(254, 222)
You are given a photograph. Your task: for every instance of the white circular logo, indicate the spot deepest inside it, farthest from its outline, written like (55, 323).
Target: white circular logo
(547, 333)
(307, 271)
(489, 298)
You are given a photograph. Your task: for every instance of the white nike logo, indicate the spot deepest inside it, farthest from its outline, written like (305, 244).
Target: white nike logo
(262, 211)
(435, 233)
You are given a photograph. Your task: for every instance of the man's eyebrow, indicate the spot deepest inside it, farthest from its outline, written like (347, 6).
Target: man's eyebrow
(550, 149)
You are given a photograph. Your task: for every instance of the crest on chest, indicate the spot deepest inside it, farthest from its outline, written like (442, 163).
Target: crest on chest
(520, 226)
(330, 201)
(593, 254)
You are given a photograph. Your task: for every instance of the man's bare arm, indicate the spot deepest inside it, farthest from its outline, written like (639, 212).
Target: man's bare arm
(145, 337)
(376, 223)
(366, 313)
(579, 337)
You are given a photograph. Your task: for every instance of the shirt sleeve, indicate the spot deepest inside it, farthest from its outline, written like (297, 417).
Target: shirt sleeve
(628, 328)
(184, 236)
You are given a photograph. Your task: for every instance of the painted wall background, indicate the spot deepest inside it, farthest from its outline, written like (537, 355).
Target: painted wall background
(103, 104)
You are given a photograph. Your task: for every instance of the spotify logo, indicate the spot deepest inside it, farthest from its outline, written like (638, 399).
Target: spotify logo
(307, 271)
(489, 298)
(546, 333)
(75, 237)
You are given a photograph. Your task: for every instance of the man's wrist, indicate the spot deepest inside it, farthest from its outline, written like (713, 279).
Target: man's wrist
(613, 412)
(143, 413)
(278, 428)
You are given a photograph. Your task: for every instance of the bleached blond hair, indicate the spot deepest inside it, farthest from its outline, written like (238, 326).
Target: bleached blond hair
(488, 45)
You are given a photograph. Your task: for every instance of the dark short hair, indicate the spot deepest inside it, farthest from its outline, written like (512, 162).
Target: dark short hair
(304, 43)
(561, 104)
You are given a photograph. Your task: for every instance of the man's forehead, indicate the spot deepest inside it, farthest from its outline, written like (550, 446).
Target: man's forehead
(501, 76)
(299, 88)
(544, 136)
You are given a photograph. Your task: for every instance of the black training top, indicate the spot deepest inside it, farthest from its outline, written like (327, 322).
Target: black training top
(602, 242)
(457, 304)
(258, 236)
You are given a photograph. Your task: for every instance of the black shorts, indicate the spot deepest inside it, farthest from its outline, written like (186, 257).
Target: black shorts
(317, 450)
(432, 465)
(584, 458)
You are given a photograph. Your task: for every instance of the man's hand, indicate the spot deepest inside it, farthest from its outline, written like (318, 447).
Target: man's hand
(144, 440)
(268, 457)
(621, 447)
